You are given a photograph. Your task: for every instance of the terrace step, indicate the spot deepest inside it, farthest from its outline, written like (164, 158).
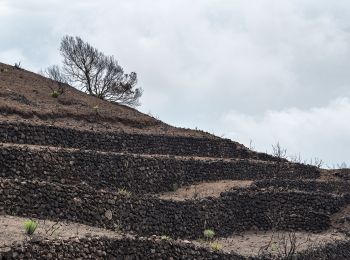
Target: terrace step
(234, 211)
(136, 172)
(56, 239)
(23, 133)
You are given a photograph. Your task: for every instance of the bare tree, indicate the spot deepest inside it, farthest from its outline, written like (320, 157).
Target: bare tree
(278, 151)
(98, 74)
(55, 73)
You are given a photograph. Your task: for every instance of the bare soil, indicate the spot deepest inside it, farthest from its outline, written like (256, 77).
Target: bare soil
(203, 190)
(250, 243)
(12, 230)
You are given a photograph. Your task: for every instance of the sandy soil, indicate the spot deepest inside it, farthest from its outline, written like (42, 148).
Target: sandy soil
(202, 190)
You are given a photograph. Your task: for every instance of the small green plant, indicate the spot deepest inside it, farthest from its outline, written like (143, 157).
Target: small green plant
(216, 246)
(55, 94)
(174, 187)
(30, 226)
(124, 192)
(164, 237)
(208, 234)
(274, 247)
(96, 109)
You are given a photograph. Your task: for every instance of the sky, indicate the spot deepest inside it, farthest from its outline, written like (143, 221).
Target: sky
(258, 72)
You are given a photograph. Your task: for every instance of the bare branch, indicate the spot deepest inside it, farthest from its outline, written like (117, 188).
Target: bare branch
(55, 73)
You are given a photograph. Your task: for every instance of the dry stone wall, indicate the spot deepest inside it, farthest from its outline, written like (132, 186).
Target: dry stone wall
(234, 211)
(339, 250)
(135, 172)
(112, 248)
(146, 248)
(121, 142)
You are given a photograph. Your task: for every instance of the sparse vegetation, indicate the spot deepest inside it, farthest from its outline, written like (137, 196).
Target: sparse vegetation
(55, 94)
(124, 192)
(174, 187)
(30, 226)
(282, 245)
(96, 109)
(209, 234)
(216, 246)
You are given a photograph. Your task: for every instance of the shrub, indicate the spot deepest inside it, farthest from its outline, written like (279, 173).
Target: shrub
(216, 246)
(209, 234)
(55, 94)
(30, 226)
(96, 109)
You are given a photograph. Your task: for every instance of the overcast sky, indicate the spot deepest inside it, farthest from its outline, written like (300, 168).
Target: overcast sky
(264, 70)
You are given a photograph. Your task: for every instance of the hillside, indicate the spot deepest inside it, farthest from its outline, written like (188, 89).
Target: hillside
(27, 96)
(122, 185)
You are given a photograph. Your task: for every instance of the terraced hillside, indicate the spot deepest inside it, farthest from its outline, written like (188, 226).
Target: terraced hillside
(122, 185)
